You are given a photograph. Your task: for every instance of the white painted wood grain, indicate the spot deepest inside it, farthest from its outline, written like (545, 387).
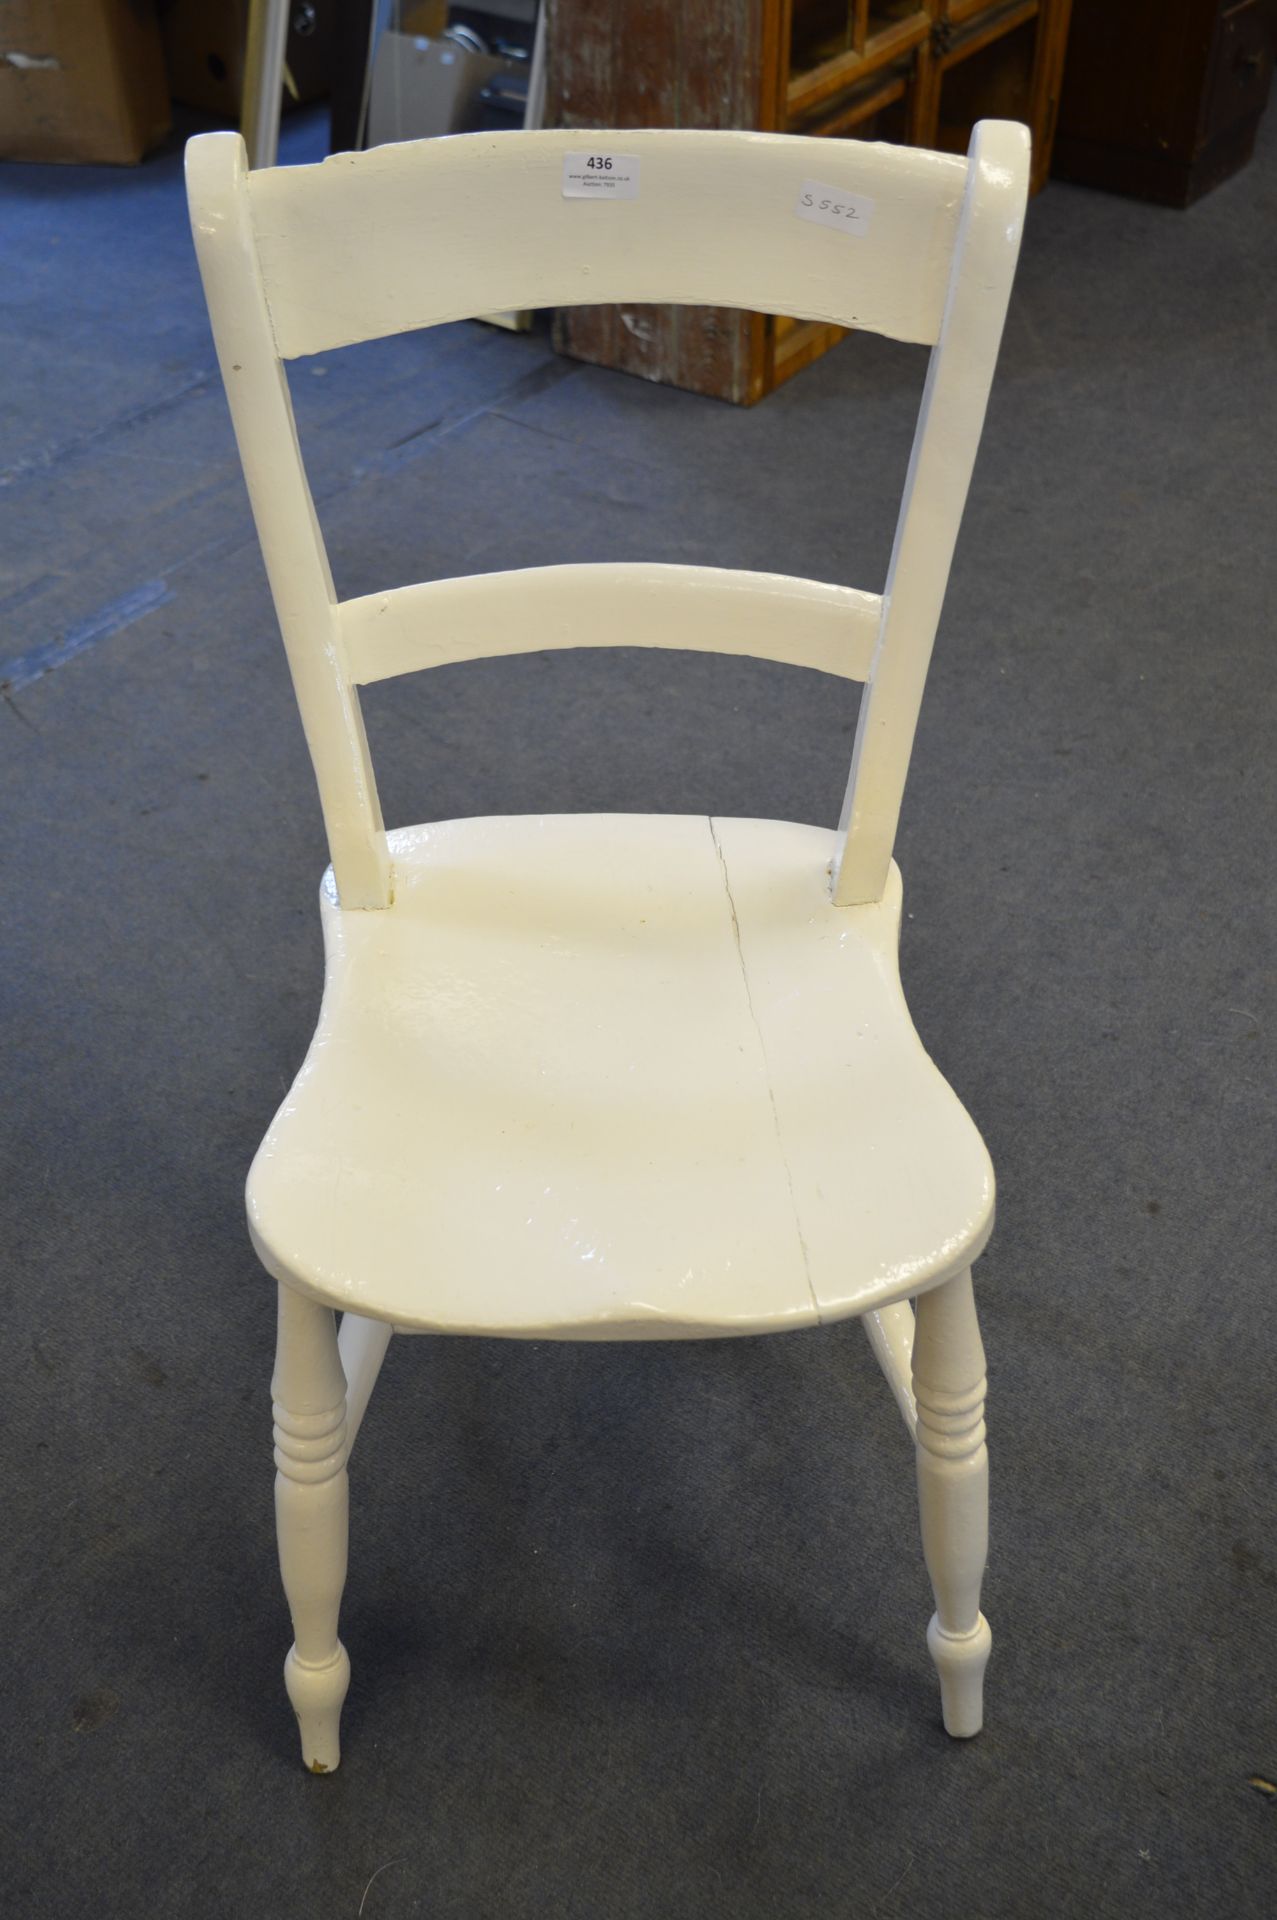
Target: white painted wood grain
(601, 1076)
(890, 1331)
(292, 546)
(613, 1077)
(301, 259)
(948, 437)
(366, 244)
(953, 1494)
(312, 1518)
(768, 616)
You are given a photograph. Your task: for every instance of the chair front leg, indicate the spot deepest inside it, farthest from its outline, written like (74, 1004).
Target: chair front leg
(953, 1494)
(311, 1510)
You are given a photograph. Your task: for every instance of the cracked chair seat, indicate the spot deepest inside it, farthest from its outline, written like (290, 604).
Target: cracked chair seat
(616, 1076)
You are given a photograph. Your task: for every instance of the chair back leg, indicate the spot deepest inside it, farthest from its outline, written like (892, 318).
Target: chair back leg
(890, 1331)
(362, 1345)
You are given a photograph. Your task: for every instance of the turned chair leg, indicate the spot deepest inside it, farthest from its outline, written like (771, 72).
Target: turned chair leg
(311, 1506)
(953, 1494)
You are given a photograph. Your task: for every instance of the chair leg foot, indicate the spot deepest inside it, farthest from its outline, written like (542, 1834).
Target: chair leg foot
(318, 1694)
(960, 1661)
(311, 1517)
(953, 1494)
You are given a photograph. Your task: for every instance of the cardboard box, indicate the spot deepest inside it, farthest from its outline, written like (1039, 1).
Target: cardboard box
(423, 87)
(205, 42)
(81, 81)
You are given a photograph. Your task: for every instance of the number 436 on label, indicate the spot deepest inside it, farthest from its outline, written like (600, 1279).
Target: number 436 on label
(600, 176)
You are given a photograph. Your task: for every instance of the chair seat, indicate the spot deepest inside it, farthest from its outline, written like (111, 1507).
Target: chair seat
(616, 1077)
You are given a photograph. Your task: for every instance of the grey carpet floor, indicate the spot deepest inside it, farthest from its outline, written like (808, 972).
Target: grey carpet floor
(638, 1631)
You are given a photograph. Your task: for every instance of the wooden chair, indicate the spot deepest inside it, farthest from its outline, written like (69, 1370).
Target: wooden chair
(614, 1077)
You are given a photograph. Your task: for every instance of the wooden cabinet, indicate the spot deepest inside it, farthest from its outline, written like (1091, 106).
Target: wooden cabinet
(1161, 98)
(920, 72)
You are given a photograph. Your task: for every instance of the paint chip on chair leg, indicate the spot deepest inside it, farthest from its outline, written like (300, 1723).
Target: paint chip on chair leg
(319, 1766)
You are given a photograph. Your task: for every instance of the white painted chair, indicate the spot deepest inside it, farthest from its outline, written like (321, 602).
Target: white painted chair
(633, 1076)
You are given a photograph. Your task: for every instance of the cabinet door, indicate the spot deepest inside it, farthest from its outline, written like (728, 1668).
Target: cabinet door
(1242, 69)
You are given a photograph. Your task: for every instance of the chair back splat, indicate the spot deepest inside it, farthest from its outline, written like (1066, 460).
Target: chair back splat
(299, 260)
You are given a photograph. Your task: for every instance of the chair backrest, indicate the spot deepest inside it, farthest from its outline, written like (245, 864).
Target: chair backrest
(298, 260)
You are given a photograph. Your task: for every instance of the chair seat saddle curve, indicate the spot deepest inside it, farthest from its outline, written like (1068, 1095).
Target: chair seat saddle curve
(613, 1043)
(613, 1076)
